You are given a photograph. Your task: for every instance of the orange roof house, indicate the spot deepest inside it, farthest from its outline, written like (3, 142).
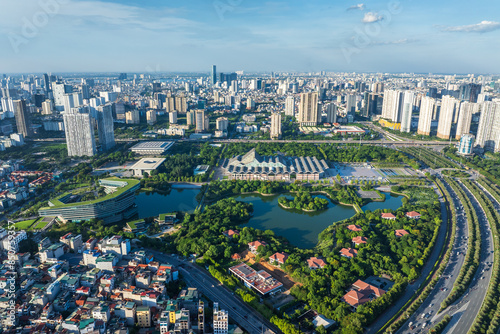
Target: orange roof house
(359, 240)
(388, 215)
(413, 215)
(354, 228)
(400, 233)
(360, 293)
(230, 233)
(278, 257)
(315, 263)
(348, 252)
(254, 245)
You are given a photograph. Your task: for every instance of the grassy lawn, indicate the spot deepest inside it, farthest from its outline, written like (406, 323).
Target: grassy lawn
(456, 173)
(130, 183)
(41, 224)
(24, 225)
(419, 195)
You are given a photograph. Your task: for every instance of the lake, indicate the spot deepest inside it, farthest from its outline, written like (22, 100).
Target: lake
(302, 228)
(179, 199)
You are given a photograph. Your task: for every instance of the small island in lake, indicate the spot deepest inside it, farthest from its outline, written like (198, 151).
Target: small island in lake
(304, 201)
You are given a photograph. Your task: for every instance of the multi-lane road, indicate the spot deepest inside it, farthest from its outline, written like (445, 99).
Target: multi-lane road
(386, 142)
(466, 309)
(427, 313)
(250, 320)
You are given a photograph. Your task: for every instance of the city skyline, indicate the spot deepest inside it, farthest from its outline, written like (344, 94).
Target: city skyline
(376, 36)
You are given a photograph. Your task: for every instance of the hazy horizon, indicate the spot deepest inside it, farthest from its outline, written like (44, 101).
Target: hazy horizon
(93, 36)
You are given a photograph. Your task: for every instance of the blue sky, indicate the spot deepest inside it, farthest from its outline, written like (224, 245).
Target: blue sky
(191, 35)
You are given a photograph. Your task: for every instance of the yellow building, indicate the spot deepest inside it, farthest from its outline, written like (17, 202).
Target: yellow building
(390, 125)
(143, 314)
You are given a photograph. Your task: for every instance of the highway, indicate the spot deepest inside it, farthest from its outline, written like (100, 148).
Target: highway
(431, 305)
(405, 142)
(467, 308)
(398, 142)
(249, 319)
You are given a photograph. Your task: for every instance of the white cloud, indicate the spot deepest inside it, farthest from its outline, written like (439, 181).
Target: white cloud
(372, 17)
(360, 6)
(481, 27)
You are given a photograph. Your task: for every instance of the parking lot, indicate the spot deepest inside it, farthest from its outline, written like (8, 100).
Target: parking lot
(357, 172)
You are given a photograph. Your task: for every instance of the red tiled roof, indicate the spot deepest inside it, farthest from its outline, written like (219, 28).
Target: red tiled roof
(388, 215)
(314, 262)
(400, 233)
(361, 293)
(349, 252)
(279, 257)
(412, 214)
(257, 244)
(359, 240)
(354, 228)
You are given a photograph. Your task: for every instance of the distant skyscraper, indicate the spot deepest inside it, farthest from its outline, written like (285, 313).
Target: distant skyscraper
(151, 116)
(191, 118)
(464, 119)
(72, 100)
(308, 109)
(79, 132)
(408, 99)
(105, 127)
(132, 117)
(276, 125)
(448, 109)
(290, 106)
(228, 78)
(169, 104)
(378, 87)
(59, 90)
(469, 92)
(221, 124)
(372, 105)
(23, 118)
(392, 105)
(46, 83)
(47, 107)
(350, 104)
(172, 117)
(214, 75)
(331, 113)
(86, 91)
(488, 132)
(425, 116)
(181, 104)
(433, 92)
(200, 120)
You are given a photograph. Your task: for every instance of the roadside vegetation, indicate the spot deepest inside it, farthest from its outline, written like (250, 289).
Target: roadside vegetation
(473, 254)
(488, 318)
